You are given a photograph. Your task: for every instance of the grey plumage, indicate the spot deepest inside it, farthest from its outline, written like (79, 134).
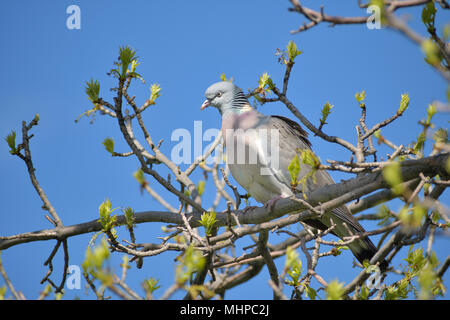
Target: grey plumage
(247, 133)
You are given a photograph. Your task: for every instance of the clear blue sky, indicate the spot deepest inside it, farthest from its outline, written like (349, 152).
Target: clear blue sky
(184, 46)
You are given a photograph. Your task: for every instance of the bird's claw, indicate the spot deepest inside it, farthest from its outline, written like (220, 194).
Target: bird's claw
(246, 209)
(271, 203)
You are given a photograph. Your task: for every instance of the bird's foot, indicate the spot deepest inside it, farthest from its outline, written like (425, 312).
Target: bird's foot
(246, 209)
(271, 203)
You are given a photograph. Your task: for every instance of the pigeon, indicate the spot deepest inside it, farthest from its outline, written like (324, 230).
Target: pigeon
(259, 150)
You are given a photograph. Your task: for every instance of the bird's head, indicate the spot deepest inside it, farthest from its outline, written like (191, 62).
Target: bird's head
(225, 96)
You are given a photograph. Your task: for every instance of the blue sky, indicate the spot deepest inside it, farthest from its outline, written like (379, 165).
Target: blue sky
(184, 46)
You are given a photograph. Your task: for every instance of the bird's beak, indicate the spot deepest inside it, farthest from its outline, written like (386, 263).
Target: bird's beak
(205, 104)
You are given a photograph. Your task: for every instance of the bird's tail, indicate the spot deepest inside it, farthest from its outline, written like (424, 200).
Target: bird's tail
(346, 225)
(364, 249)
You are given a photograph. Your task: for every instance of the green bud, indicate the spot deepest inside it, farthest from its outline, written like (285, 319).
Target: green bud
(294, 170)
(377, 134)
(11, 140)
(335, 290)
(292, 258)
(384, 214)
(418, 215)
(129, 216)
(418, 147)
(404, 103)
(431, 111)
(134, 65)
(293, 266)
(393, 176)
(416, 259)
(292, 51)
(105, 207)
(109, 145)
(150, 285)
(431, 51)
(364, 293)
(201, 187)
(107, 221)
(270, 84)
(191, 261)
(326, 110)
(441, 135)
(411, 217)
(264, 81)
(94, 261)
(207, 220)
(92, 90)
(404, 216)
(127, 55)
(125, 262)
(312, 294)
(381, 5)
(155, 92)
(2, 292)
(309, 158)
(383, 211)
(360, 98)
(428, 16)
(224, 78)
(47, 290)
(139, 176)
(426, 280)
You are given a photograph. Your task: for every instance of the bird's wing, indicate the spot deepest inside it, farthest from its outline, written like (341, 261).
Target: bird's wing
(249, 156)
(291, 138)
(286, 137)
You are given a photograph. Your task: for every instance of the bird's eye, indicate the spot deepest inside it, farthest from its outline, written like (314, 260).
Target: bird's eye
(219, 94)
